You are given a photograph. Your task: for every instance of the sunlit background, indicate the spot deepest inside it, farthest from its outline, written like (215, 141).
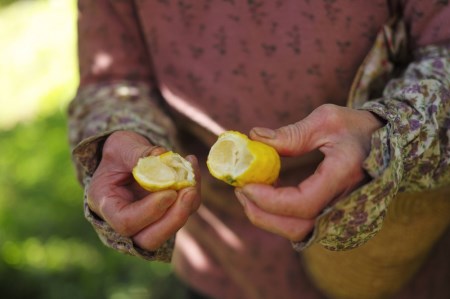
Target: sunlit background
(47, 249)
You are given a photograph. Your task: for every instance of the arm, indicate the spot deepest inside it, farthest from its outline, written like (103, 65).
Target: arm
(331, 207)
(368, 175)
(404, 211)
(411, 153)
(116, 118)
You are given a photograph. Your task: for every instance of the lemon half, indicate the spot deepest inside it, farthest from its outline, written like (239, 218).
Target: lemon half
(166, 171)
(238, 160)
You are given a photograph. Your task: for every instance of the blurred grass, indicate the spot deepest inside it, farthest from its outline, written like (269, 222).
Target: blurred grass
(47, 249)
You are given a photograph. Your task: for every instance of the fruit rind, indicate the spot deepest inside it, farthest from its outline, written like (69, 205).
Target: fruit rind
(181, 170)
(263, 167)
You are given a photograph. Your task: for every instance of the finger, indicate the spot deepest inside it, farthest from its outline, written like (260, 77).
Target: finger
(307, 199)
(291, 228)
(314, 131)
(153, 236)
(294, 139)
(128, 218)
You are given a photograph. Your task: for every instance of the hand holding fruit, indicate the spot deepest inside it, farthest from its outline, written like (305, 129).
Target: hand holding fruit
(343, 135)
(149, 218)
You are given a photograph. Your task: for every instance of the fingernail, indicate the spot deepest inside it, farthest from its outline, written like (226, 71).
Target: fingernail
(265, 133)
(241, 197)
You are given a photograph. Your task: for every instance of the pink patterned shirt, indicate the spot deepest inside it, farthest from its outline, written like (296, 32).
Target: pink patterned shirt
(204, 66)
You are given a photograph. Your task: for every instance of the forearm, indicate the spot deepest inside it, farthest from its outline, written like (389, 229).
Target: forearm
(408, 155)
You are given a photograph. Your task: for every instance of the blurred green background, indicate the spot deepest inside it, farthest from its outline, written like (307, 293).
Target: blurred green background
(47, 249)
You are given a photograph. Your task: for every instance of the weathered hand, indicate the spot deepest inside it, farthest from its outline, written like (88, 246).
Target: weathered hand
(148, 218)
(343, 135)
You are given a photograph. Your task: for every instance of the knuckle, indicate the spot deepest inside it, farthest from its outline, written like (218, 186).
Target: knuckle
(328, 109)
(331, 115)
(122, 226)
(292, 136)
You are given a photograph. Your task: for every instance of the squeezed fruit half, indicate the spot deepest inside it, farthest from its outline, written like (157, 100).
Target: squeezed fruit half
(238, 160)
(166, 171)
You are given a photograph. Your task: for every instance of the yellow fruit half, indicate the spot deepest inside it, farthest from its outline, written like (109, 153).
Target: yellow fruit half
(238, 160)
(166, 171)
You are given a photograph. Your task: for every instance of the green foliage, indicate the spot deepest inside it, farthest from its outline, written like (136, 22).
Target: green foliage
(6, 2)
(47, 249)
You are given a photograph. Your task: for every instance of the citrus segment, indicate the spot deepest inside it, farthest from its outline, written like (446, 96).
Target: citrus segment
(166, 171)
(238, 160)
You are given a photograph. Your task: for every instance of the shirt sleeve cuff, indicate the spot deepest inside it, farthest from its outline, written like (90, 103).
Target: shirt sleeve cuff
(356, 218)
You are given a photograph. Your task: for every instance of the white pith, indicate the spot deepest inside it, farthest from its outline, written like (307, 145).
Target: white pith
(165, 170)
(230, 156)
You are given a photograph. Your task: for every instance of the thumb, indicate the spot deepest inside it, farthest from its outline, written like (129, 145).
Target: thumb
(291, 140)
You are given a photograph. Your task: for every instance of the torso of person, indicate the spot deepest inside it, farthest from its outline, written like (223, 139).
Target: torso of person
(239, 64)
(234, 65)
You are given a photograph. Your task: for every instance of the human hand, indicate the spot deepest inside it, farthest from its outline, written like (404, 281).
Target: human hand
(343, 135)
(148, 218)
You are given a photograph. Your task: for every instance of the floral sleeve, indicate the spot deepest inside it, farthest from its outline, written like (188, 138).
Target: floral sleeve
(117, 92)
(410, 153)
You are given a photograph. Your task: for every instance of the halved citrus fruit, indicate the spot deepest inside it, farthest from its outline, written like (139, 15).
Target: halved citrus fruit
(238, 160)
(166, 171)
